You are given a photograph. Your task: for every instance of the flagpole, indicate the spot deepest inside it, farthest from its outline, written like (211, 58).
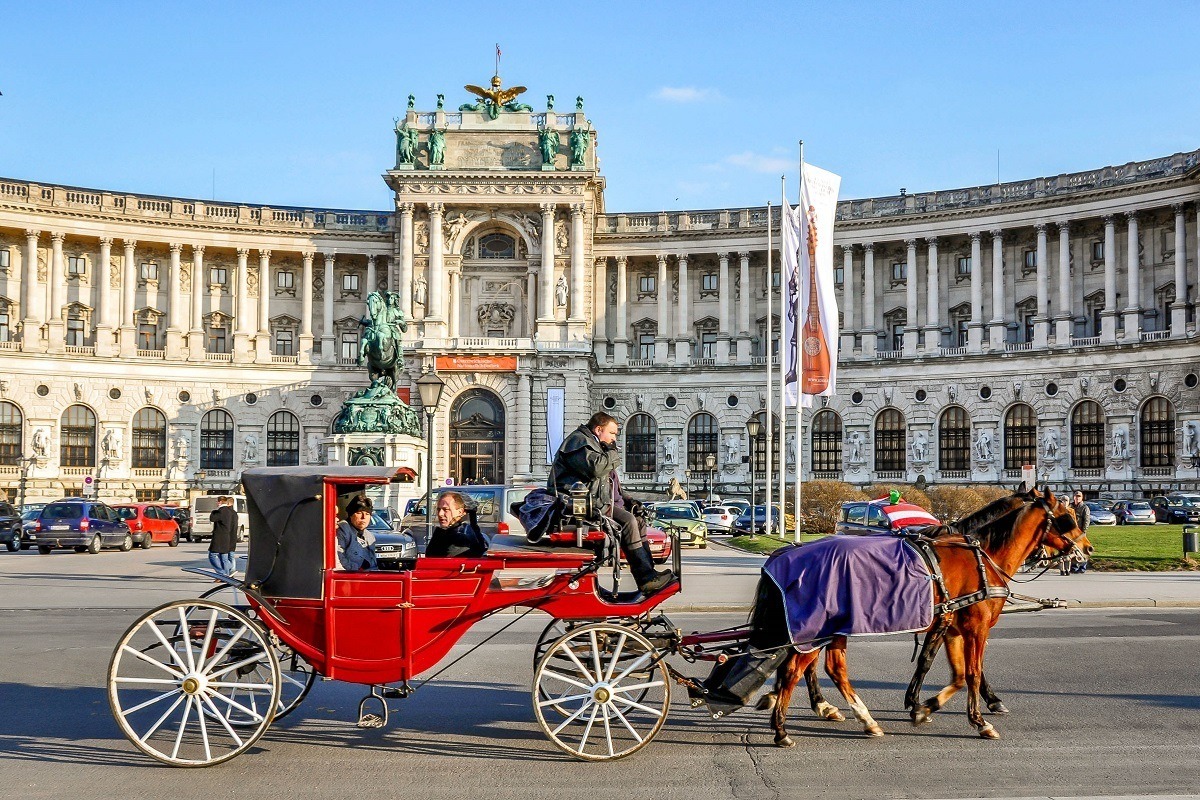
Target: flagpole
(800, 382)
(784, 348)
(770, 404)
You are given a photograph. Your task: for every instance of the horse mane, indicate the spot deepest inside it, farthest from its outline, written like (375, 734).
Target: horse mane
(990, 524)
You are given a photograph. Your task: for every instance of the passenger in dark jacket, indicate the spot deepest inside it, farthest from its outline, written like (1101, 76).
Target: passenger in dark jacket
(224, 535)
(589, 456)
(457, 534)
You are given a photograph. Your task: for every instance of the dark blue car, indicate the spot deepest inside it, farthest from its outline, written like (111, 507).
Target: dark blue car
(741, 525)
(86, 525)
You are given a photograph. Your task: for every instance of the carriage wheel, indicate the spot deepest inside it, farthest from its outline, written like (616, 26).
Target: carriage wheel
(619, 692)
(182, 671)
(550, 634)
(296, 675)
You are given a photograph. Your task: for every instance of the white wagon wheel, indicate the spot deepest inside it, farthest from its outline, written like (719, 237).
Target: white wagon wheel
(296, 675)
(620, 692)
(182, 672)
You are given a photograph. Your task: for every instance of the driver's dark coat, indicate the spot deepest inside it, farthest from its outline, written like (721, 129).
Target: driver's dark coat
(582, 458)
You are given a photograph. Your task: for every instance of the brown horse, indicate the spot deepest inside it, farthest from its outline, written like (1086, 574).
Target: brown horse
(997, 539)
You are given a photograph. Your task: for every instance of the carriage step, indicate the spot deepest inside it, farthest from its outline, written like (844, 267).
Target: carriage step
(367, 719)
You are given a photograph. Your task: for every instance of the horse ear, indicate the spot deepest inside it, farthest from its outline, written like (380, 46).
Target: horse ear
(1022, 488)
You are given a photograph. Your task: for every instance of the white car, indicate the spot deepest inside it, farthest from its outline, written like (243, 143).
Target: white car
(720, 518)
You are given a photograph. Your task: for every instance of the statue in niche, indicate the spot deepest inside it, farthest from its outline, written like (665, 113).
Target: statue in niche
(250, 448)
(548, 143)
(437, 147)
(855, 455)
(560, 236)
(561, 292)
(420, 291)
(111, 444)
(314, 448)
(920, 448)
(578, 142)
(983, 446)
(1050, 444)
(643, 401)
(1120, 445)
(669, 450)
(41, 442)
(183, 449)
(1191, 447)
(406, 144)
(421, 236)
(790, 445)
(733, 446)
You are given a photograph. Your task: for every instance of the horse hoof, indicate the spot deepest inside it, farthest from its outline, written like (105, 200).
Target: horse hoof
(997, 708)
(829, 712)
(921, 715)
(988, 732)
(766, 702)
(835, 716)
(874, 730)
(786, 741)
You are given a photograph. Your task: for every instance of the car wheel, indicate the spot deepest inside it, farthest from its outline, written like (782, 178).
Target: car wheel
(14, 544)
(146, 542)
(127, 543)
(174, 541)
(44, 549)
(93, 546)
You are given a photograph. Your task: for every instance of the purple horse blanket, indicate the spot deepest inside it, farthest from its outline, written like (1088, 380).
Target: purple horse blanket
(847, 585)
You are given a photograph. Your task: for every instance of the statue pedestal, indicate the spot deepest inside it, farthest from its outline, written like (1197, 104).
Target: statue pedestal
(382, 450)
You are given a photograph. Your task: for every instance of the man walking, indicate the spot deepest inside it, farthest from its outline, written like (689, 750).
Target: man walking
(224, 535)
(1083, 518)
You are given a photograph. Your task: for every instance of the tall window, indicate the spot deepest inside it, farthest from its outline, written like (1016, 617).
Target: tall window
(760, 444)
(149, 439)
(954, 440)
(10, 434)
(826, 442)
(1020, 437)
(701, 440)
(217, 332)
(1157, 440)
(645, 345)
(285, 343)
(5, 317)
(349, 346)
(78, 427)
(283, 440)
(76, 325)
(216, 440)
(647, 284)
(76, 266)
(890, 435)
(1087, 436)
(641, 444)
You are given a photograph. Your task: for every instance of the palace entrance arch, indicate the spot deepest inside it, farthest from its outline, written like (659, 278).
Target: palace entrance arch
(477, 438)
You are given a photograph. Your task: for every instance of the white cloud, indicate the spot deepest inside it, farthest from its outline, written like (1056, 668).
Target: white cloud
(755, 162)
(686, 94)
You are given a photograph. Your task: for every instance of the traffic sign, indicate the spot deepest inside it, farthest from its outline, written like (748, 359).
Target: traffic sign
(89, 486)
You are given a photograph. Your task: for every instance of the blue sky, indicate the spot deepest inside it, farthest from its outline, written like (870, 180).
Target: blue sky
(697, 105)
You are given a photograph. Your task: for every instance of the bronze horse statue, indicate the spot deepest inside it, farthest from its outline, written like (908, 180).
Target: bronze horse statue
(380, 348)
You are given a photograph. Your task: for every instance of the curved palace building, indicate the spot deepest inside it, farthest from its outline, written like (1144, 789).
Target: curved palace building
(158, 345)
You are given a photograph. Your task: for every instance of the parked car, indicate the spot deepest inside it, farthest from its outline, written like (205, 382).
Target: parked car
(881, 516)
(737, 504)
(184, 517)
(202, 508)
(684, 518)
(86, 525)
(1134, 512)
(1177, 508)
(741, 525)
(1100, 514)
(492, 504)
(149, 523)
(392, 547)
(719, 519)
(28, 520)
(10, 526)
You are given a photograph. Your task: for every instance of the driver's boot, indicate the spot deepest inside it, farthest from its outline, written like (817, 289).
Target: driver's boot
(641, 566)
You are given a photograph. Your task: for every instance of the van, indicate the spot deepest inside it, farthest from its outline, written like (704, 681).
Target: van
(204, 505)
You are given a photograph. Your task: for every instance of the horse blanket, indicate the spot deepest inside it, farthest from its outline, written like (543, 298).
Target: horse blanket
(851, 585)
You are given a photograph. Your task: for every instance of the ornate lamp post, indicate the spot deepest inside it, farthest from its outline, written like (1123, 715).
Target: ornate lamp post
(753, 426)
(710, 463)
(430, 387)
(26, 462)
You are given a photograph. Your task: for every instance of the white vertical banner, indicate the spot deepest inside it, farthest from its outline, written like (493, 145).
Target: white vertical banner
(817, 312)
(789, 247)
(556, 403)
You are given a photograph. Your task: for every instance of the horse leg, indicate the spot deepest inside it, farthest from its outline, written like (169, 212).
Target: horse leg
(923, 712)
(820, 706)
(974, 647)
(929, 649)
(835, 665)
(991, 698)
(785, 683)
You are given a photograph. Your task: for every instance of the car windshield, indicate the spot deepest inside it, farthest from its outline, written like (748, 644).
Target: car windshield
(379, 523)
(62, 511)
(31, 514)
(125, 512)
(1187, 500)
(676, 512)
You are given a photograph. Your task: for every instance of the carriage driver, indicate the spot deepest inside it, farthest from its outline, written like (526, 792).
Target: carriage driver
(589, 456)
(356, 544)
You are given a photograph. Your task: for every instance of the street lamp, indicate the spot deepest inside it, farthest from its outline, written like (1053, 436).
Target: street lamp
(753, 426)
(710, 463)
(429, 387)
(26, 462)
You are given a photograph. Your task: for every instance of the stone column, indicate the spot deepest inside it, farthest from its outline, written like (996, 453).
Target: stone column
(869, 339)
(975, 326)
(621, 343)
(31, 295)
(576, 307)
(523, 433)
(743, 340)
(912, 331)
(1041, 321)
(329, 353)
(454, 303)
(371, 277)
(1179, 307)
(174, 305)
(1108, 317)
(306, 308)
(241, 307)
(531, 301)
(435, 308)
(998, 330)
(851, 317)
(724, 294)
(1133, 284)
(1062, 318)
(55, 325)
(662, 339)
(683, 335)
(129, 276)
(195, 337)
(105, 302)
(262, 340)
(933, 328)
(406, 259)
(546, 275)
(600, 309)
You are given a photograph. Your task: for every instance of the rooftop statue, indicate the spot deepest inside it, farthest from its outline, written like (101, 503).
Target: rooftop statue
(548, 143)
(578, 143)
(437, 147)
(495, 98)
(406, 144)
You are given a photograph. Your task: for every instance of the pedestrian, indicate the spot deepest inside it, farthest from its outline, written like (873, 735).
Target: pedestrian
(224, 535)
(1083, 518)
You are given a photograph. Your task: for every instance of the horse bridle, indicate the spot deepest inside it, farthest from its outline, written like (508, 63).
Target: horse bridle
(1062, 524)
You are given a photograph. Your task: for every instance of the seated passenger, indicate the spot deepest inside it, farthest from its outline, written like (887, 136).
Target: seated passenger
(456, 535)
(356, 544)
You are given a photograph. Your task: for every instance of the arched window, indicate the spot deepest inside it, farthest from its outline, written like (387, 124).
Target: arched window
(1157, 440)
(701, 440)
(1087, 436)
(216, 440)
(760, 444)
(641, 444)
(149, 439)
(78, 448)
(827, 443)
(1020, 437)
(954, 440)
(10, 434)
(890, 450)
(477, 437)
(497, 245)
(283, 440)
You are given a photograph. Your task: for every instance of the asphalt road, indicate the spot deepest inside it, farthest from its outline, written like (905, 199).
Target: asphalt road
(1104, 702)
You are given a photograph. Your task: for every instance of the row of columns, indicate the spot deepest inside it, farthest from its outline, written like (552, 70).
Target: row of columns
(997, 325)
(185, 322)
